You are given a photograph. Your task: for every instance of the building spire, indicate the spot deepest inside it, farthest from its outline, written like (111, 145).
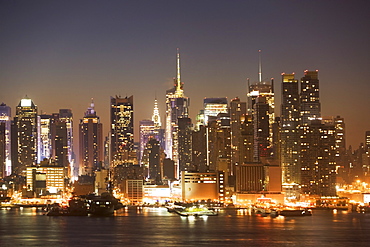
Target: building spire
(179, 90)
(156, 118)
(259, 67)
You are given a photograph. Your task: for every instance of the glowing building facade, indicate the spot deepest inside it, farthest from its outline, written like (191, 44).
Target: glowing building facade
(290, 116)
(214, 106)
(317, 158)
(122, 130)
(5, 120)
(177, 106)
(44, 138)
(310, 106)
(24, 130)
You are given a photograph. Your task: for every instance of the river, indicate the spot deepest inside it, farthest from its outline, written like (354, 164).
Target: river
(157, 227)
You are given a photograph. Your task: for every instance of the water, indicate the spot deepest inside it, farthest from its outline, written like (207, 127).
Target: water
(157, 227)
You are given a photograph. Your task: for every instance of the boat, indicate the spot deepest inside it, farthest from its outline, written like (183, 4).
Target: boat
(103, 205)
(76, 207)
(295, 212)
(195, 211)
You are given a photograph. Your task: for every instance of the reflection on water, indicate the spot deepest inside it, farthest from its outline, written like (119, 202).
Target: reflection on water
(136, 226)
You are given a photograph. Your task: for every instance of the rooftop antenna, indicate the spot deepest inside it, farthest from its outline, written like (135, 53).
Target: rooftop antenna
(259, 67)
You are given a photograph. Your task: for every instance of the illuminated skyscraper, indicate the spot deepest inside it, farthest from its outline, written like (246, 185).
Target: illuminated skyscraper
(91, 142)
(261, 105)
(367, 139)
(122, 130)
(214, 106)
(185, 144)
(317, 158)
(25, 136)
(65, 115)
(146, 131)
(158, 131)
(310, 106)
(238, 110)
(262, 128)
(177, 106)
(289, 129)
(2, 150)
(5, 118)
(44, 138)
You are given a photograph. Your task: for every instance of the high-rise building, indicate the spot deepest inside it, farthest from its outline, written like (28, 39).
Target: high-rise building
(317, 158)
(122, 130)
(199, 149)
(262, 128)
(65, 115)
(158, 131)
(91, 142)
(238, 110)
(185, 145)
(290, 116)
(310, 106)
(44, 138)
(367, 139)
(5, 118)
(147, 132)
(214, 106)
(261, 105)
(177, 106)
(247, 140)
(24, 131)
(2, 150)
(155, 160)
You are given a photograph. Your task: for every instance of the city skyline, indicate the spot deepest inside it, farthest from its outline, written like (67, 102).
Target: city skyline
(63, 54)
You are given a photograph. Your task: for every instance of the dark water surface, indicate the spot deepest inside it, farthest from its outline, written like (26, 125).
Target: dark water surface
(157, 227)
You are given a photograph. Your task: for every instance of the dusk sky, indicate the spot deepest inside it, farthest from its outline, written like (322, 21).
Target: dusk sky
(63, 53)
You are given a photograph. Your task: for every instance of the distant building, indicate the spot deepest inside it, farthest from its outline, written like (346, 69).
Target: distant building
(290, 116)
(177, 106)
(237, 110)
(5, 119)
(214, 106)
(146, 132)
(122, 130)
(91, 142)
(185, 145)
(24, 136)
(317, 158)
(202, 186)
(310, 105)
(46, 178)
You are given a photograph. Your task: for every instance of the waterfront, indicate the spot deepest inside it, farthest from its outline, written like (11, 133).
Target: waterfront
(157, 227)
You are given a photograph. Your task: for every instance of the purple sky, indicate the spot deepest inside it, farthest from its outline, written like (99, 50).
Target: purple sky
(63, 53)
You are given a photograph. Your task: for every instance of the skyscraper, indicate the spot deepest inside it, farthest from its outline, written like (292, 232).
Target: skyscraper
(238, 110)
(185, 144)
(146, 131)
(261, 105)
(44, 138)
(91, 142)
(25, 136)
(65, 115)
(177, 106)
(290, 116)
(310, 106)
(5, 118)
(214, 106)
(317, 158)
(122, 130)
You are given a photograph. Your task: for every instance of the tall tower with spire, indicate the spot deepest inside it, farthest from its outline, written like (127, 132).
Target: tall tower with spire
(177, 106)
(261, 105)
